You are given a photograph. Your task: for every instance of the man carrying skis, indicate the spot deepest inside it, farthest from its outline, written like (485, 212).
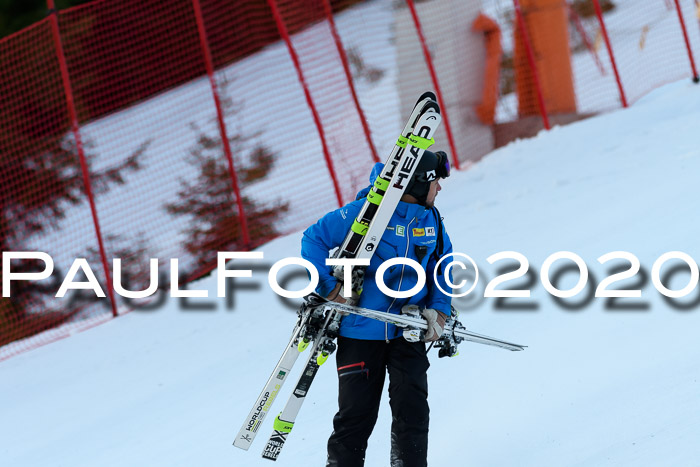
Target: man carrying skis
(367, 348)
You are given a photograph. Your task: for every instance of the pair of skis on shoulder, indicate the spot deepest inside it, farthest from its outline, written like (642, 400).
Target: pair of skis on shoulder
(318, 328)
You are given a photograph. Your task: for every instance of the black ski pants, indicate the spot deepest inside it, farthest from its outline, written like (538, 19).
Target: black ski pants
(362, 366)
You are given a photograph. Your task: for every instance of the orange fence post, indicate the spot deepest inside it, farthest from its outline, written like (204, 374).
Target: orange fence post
(486, 110)
(531, 60)
(70, 104)
(309, 100)
(206, 52)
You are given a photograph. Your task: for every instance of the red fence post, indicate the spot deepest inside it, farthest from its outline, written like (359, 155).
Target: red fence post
(696, 78)
(309, 100)
(599, 14)
(576, 19)
(70, 103)
(531, 61)
(433, 76)
(346, 67)
(206, 52)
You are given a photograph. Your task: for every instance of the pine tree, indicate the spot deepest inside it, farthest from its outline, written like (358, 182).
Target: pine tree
(211, 203)
(39, 187)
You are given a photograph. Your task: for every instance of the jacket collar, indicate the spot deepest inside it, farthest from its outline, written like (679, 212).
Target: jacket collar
(411, 210)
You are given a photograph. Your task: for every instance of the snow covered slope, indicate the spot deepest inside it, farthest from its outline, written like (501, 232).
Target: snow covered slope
(596, 387)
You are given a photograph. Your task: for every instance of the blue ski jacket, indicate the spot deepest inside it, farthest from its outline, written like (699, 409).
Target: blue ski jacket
(413, 232)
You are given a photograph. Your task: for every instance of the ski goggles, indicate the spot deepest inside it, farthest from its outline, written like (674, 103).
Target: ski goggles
(443, 168)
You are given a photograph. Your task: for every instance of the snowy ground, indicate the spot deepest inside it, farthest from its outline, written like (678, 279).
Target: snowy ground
(596, 386)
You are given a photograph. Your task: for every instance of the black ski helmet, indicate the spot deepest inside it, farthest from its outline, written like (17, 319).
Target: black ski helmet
(432, 165)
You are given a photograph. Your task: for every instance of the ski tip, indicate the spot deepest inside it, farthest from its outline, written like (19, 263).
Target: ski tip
(427, 95)
(431, 106)
(243, 446)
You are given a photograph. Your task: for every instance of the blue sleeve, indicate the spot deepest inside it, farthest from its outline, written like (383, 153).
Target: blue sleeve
(436, 299)
(326, 234)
